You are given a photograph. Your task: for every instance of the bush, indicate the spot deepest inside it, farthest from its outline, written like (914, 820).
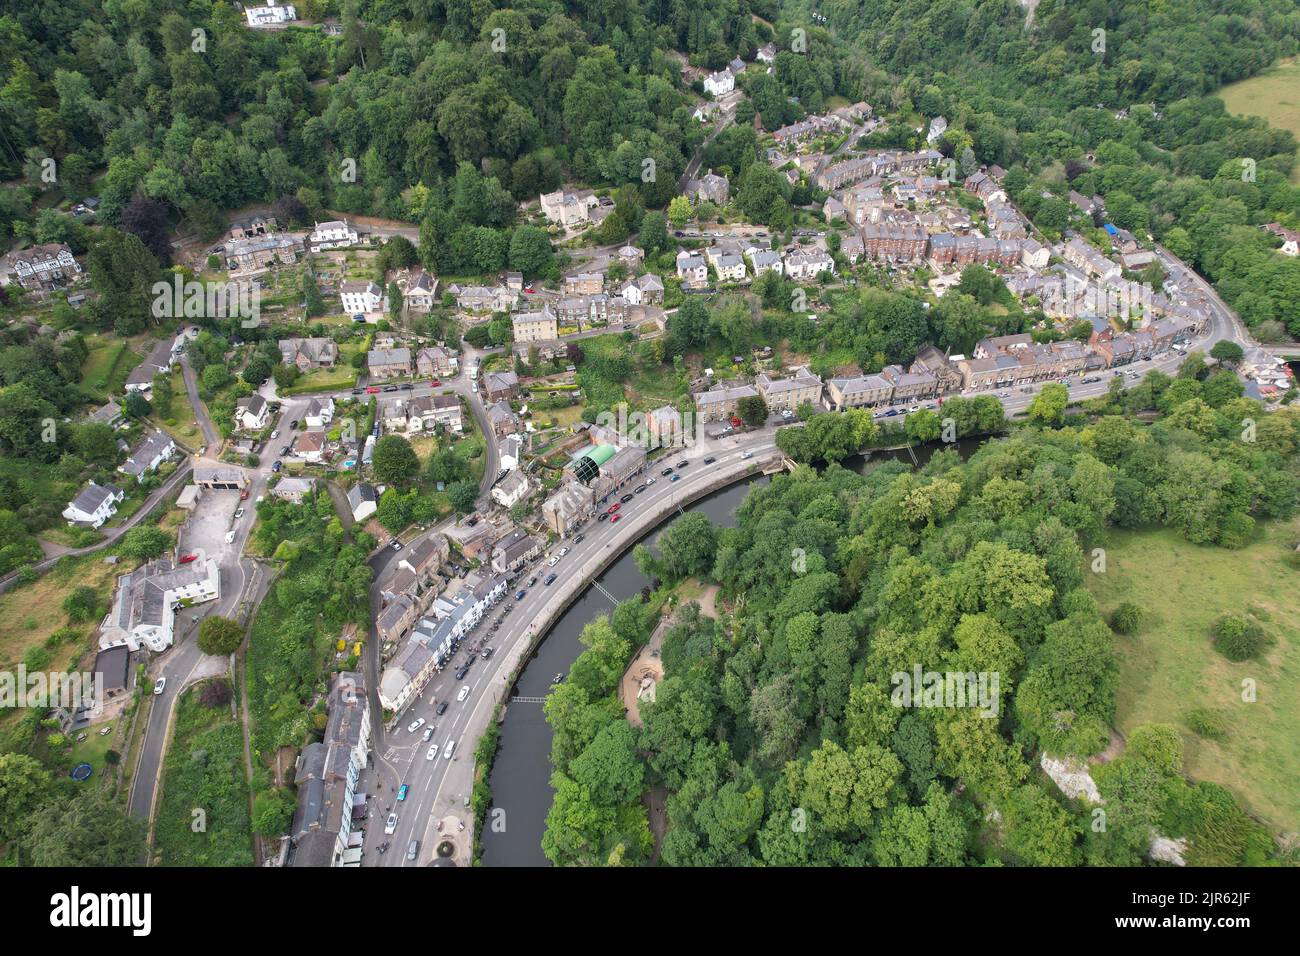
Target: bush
(1206, 723)
(1126, 619)
(83, 604)
(1238, 638)
(215, 693)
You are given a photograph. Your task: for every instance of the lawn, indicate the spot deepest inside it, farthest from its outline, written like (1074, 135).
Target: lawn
(1170, 667)
(1273, 95)
(179, 420)
(109, 362)
(341, 375)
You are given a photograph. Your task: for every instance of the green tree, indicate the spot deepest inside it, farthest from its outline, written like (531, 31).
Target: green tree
(395, 461)
(220, 636)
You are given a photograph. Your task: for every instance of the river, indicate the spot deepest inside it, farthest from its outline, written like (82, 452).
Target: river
(521, 775)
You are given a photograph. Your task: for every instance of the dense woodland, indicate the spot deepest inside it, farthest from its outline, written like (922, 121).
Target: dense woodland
(774, 732)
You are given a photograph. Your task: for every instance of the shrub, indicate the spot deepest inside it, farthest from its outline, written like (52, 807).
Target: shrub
(1238, 638)
(1206, 723)
(215, 693)
(1126, 619)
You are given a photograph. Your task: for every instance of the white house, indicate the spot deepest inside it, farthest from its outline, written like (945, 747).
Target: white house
(93, 505)
(692, 269)
(724, 81)
(252, 413)
(259, 16)
(156, 448)
(145, 603)
(320, 412)
(764, 260)
(363, 500)
(731, 268)
(643, 290)
(361, 297)
(568, 209)
(512, 489)
(334, 234)
(510, 450)
(938, 126)
(808, 265)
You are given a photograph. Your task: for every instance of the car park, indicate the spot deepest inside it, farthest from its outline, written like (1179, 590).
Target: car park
(464, 692)
(390, 825)
(415, 725)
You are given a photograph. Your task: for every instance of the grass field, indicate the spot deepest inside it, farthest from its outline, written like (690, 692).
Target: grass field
(1170, 667)
(108, 363)
(180, 420)
(1273, 95)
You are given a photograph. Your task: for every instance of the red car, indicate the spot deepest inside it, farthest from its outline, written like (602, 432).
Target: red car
(435, 383)
(613, 509)
(615, 518)
(187, 558)
(372, 389)
(243, 495)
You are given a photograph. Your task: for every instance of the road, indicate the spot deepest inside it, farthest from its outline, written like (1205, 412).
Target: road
(438, 787)
(211, 438)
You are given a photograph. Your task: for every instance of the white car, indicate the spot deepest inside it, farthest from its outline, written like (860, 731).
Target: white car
(562, 552)
(390, 825)
(431, 753)
(551, 563)
(230, 537)
(428, 734)
(449, 750)
(160, 685)
(748, 454)
(275, 433)
(649, 481)
(464, 692)
(416, 725)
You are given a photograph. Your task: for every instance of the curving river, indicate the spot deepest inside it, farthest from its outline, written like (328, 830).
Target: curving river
(521, 775)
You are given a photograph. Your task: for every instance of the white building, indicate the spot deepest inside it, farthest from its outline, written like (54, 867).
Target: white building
(808, 265)
(334, 234)
(361, 297)
(155, 449)
(512, 489)
(252, 413)
(363, 501)
(94, 505)
(320, 412)
(724, 81)
(568, 209)
(145, 603)
(260, 16)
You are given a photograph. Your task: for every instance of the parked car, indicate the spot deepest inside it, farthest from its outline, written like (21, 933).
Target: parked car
(415, 725)
(674, 477)
(396, 545)
(355, 391)
(390, 825)
(615, 519)
(549, 579)
(390, 388)
(519, 595)
(562, 552)
(613, 509)
(243, 495)
(186, 558)
(682, 464)
(603, 516)
(239, 513)
(532, 580)
(639, 489)
(402, 791)
(460, 674)
(625, 499)
(160, 685)
(230, 537)
(436, 382)
(275, 433)
(651, 481)
(294, 423)
(666, 472)
(710, 460)
(372, 389)
(487, 652)
(276, 467)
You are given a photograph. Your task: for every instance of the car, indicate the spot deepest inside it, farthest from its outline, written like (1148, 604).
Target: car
(487, 652)
(615, 519)
(406, 386)
(160, 685)
(390, 825)
(396, 545)
(710, 460)
(674, 478)
(562, 552)
(390, 388)
(436, 382)
(625, 499)
(604, 515)
(1004, 393)
(551, 563)
(748, 454)
(449, 750)
(558, 678)
(230, 537)
(239, 513)
(358, 391)
(413, 849)
(891, 413)
(428, 734)
(460, 674)
(613, 509)
(638, 489)
(275, 433)
(787, 414)
(651, 480)
(441, 709)
(294, 423)
(549, 579)
(578, 539)
(666, 472)
(243, 495)
(519, 595)
(372, 389)
(431, 753)
(464, 692)
(186, 558)
(402, 791)
(532, 581)
(415, 725)
(276, 467)
(682, 464)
